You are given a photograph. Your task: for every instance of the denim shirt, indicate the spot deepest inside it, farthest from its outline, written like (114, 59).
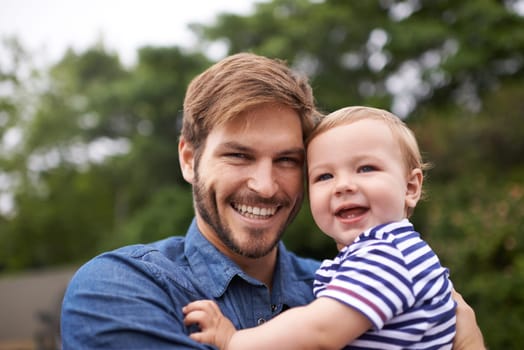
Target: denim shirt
(132, 298)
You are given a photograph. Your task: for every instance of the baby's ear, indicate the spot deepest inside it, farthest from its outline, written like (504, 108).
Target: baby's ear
(414, 187)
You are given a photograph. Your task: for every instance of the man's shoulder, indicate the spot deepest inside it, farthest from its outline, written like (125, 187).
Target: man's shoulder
(152, 259)
(171, 248)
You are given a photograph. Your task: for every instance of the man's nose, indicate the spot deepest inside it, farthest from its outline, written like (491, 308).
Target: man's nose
(262, 179)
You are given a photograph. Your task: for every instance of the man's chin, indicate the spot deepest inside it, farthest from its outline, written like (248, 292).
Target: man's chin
(256, 253)
(257, 245)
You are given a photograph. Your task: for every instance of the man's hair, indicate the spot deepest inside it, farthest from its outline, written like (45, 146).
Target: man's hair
(238, 83)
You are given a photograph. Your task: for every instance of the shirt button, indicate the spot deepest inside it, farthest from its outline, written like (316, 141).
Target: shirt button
(273, 307)
(261, 321)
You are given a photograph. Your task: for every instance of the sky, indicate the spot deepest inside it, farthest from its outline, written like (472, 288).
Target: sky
(47, 27)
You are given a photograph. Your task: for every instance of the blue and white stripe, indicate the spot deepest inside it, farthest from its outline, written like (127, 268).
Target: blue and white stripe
(394, 278)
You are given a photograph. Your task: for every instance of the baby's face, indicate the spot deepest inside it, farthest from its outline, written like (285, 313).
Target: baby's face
(357, 179)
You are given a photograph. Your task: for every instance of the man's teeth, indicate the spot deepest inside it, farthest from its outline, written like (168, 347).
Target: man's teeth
(255, 211)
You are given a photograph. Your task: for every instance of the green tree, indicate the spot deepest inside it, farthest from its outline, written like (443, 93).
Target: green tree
(394, 54)
(475, 213)
(98, 148)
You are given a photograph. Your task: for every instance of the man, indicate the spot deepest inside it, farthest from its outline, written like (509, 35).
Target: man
(242, 150)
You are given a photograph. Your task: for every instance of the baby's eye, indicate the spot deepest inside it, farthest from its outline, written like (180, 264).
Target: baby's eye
(324, 177)
(366, 168)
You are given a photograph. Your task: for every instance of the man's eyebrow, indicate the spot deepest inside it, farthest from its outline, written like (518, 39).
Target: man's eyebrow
(297, 151)
(235, 146)
(232, 145)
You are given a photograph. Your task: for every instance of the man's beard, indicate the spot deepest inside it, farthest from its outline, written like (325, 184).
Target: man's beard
(206, 205)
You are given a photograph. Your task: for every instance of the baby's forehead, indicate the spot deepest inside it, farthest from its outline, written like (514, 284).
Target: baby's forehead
(362, 137)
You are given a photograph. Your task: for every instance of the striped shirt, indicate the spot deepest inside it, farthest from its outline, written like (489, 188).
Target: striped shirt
(392, 276)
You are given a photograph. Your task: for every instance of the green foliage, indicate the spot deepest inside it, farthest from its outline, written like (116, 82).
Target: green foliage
(72, 198)
(49, 228)
(474, 216)
(455, 68)
(167, 213)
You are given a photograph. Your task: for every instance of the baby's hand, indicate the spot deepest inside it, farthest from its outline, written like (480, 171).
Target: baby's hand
(215, 328)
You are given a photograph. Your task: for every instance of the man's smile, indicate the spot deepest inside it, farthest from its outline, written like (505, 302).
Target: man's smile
(255, 212)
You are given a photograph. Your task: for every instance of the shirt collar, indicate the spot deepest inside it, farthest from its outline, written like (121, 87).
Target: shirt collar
(214, 270)
(293, 281)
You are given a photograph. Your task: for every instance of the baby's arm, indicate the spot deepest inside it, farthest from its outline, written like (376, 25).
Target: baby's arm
(215, 328)
(323, 324)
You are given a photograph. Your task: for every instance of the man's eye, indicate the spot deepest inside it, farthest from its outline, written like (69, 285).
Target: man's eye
(290, 161)
(366, 169)
(236, 155)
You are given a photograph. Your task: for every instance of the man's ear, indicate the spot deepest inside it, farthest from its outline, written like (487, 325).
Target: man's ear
(414, 187)
(186, 158)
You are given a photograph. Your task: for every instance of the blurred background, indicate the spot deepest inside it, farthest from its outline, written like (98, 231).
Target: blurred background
(89, 128)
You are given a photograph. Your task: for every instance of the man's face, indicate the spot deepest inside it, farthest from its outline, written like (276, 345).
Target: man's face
(247, 184)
